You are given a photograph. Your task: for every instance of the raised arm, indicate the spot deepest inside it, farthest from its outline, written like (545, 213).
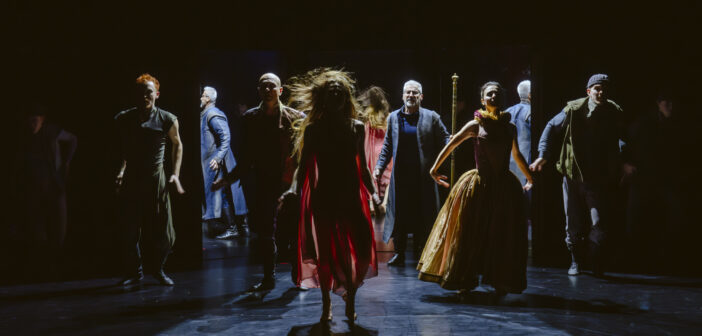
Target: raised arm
(177, 156)
(468, 131)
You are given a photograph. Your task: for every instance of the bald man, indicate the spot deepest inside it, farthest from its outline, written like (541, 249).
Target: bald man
(266, 154)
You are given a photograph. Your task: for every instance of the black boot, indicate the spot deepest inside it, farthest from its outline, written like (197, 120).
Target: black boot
(268, 281)
(242, 225)
(400, 243)
(397, 260)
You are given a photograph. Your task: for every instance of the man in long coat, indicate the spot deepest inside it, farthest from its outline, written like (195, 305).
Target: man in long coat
(216, 158)
(413, 140)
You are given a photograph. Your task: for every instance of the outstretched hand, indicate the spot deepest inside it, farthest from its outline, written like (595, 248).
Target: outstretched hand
(175, 180)
(439, 179)
(537, 165)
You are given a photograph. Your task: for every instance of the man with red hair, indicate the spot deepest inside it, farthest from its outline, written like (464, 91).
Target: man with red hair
(146, 207)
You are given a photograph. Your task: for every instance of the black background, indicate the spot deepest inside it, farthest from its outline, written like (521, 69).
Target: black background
(80, 59)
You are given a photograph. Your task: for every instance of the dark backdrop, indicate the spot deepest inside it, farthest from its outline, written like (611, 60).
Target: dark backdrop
(80, 59)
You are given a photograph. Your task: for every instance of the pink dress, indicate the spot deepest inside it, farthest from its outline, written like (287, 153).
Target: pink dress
(373, 145)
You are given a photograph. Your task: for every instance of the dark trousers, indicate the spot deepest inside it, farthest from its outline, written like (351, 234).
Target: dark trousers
(408, 217)
(585, 214)
(147, 231)
(263, 223)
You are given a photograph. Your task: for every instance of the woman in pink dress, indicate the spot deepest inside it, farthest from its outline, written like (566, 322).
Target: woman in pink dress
(374, 116)
(336, 249)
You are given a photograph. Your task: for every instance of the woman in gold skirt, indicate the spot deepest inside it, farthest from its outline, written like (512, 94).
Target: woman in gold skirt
(482, 228)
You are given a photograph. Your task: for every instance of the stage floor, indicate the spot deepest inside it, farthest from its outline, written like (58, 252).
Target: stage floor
(215, 300)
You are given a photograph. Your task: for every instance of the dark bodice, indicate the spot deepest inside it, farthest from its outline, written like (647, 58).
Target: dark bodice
(335, 151)
(493, 147)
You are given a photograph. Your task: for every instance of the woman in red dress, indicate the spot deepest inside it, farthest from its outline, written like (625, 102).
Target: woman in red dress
(336, 249)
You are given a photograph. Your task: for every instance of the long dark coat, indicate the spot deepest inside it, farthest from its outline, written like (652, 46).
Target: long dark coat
(215, 144)
(431, 138)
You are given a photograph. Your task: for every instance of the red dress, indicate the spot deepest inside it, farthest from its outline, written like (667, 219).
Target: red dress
(336, 247)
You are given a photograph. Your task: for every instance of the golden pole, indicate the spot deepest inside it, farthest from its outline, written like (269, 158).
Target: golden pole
(454, 107)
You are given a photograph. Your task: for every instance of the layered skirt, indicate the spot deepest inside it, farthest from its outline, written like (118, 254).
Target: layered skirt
(480, 230)
(336, 249)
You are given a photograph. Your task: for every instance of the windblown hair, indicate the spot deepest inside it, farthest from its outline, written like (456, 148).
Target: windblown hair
(148, 78)
(308, 94)
(375, 106)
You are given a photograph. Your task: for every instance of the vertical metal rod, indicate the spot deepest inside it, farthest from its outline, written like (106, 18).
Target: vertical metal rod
(454, 107)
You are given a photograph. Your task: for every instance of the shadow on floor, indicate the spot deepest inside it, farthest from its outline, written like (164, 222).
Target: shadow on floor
(113, 289)
(653, 281)
(168, 313)
(319, 329)
(533, 301)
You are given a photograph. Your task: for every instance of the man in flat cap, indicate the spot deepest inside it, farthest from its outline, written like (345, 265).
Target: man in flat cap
(591, 159)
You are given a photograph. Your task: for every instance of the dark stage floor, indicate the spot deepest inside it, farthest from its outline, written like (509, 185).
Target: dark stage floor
(214, 301)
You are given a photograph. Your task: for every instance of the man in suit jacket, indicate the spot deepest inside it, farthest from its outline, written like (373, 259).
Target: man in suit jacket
(413, 140)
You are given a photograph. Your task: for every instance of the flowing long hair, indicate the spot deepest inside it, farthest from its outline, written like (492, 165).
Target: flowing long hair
(375, 107)
(307, 94)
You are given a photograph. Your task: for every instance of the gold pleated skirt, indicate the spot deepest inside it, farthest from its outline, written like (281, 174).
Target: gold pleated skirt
(480, 230)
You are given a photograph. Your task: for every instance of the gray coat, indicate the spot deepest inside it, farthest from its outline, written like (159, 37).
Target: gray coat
(521, 117)
(215, 144)
(431, 138)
